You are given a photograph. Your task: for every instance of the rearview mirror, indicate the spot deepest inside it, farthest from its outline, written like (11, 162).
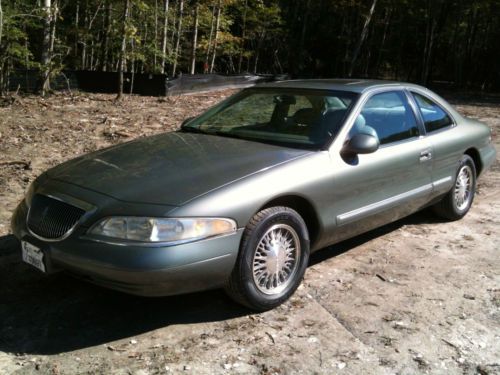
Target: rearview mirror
(285, 99)
(361, 144)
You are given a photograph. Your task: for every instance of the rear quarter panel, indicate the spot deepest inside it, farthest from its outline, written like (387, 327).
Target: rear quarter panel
(450, 145)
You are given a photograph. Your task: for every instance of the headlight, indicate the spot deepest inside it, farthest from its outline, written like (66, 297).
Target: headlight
(147, 229)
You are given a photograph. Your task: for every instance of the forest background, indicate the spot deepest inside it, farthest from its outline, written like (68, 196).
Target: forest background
(453, 42)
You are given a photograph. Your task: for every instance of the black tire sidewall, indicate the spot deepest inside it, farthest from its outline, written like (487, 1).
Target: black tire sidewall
(278, 216)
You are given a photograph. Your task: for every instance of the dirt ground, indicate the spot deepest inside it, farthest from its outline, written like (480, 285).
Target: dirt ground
(415, 297)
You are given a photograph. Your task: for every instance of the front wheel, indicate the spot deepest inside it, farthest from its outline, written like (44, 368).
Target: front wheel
(272, 261)
(457, 202)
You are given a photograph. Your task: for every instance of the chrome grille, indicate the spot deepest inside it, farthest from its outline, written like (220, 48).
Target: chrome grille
(51, 218)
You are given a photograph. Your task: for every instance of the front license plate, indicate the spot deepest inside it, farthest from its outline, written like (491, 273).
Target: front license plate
(33, 255)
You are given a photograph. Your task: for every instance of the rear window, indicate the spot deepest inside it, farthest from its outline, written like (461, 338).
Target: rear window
(435, 118)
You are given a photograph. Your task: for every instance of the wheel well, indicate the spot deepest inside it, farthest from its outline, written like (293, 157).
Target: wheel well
(304, 208)
(474, 154)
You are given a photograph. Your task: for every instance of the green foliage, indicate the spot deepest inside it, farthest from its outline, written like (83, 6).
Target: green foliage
(449, 40)
(14, 48)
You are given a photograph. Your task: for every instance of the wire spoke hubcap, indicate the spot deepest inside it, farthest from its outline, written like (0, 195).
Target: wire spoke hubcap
(276, 259)
(463, 188)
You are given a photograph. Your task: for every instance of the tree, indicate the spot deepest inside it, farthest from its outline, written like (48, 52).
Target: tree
(195, 37)
(46, 46)
(121, 64)
(178, 38)
(209, 44)
(362, 37)
(106, 36)
(165, 35)
(243, 35)
(421, 41)
(217, 25)
(1, 22)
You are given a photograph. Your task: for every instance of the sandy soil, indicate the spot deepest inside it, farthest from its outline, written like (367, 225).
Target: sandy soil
(414, 297)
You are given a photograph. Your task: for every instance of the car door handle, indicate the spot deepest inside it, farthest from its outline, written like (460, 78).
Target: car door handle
(425, 155)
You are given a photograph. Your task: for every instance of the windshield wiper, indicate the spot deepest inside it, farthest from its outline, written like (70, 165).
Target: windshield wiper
(208, 131)
(192, 129)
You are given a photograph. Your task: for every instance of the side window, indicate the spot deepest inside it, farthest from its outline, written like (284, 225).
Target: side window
(389, 115)
(434, 116)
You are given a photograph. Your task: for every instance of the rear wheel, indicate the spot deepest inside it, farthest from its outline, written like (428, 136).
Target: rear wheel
(457, 202)
(273, 257)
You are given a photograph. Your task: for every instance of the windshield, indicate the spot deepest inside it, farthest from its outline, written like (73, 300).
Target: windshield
(295, 118)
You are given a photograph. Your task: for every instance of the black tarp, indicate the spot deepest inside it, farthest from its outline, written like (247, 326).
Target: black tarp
(141, 84)
(207, 82)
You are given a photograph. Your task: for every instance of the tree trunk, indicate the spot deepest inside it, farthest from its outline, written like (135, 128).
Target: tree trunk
(179, 35)
(243, 34)
(155, 44)
(83, 41)
(132, 66)
(207, 57)
(2, 84)
(55, 11)
(216, 38)
(256, 62)
(121, 63)
(437, 19)
(387, 21)
(257, 53)
(277, 62)
(195, 39)
(165, 35)
(363, 36)
(105, 41)
(92, 60)
(296, 56)
(45, 60)
(428, 53)
(77, 19)
(1, 22)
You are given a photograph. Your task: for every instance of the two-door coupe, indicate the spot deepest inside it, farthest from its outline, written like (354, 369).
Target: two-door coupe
(240, 195)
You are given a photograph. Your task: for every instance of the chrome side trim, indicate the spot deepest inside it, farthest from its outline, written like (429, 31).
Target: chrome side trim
(443, 181)
(385, 204)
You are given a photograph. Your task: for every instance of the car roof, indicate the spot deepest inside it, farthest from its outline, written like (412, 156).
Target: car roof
(352, 85)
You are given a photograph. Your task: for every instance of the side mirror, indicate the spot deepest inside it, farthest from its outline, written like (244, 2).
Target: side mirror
(361, 144)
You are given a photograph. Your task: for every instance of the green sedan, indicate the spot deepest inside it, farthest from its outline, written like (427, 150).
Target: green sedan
(241, 195)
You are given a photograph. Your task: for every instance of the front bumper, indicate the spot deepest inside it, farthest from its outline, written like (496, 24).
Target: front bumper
(146, 271)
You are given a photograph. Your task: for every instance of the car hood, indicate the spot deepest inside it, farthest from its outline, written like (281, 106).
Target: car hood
(170, 168)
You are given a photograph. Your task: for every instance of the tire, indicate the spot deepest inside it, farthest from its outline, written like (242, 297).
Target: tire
(265, 276)
(457, 202)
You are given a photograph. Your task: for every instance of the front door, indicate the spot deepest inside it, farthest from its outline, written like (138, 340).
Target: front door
(374, 189)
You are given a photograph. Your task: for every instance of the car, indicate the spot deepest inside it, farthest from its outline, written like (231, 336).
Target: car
(242, 194)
